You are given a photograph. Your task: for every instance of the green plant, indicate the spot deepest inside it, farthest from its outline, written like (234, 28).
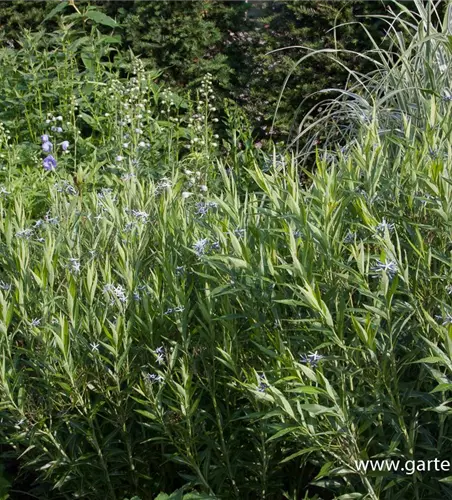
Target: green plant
(194, 316)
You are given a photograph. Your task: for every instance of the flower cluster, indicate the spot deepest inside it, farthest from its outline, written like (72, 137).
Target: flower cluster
(49, 163)
(128, 176)
(74, 265)
(25, 233)
(152, 378)
(163, 184)
(204, 110)
(390, 268)
(29, 232)
(46, 144)
(35, 322)
(48, 219)
(312, 358)
(349, 237)
(5, 286)
(134, 109)
(140, 216)
(115, 292)
(446, 320)
(66, 187)
(176, 309)
(54, 119)
(201, 246)
(381, 228)
(5, 135)
(160, 353)
(167, 100)
(262, 383)
(202, 208)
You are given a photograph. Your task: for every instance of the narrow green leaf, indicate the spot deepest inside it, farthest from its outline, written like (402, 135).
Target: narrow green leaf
(56, 10)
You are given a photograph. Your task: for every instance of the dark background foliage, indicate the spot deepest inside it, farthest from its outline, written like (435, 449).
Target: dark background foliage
(231, 40)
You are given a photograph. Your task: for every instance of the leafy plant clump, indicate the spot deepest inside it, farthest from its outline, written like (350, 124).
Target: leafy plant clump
(182, 311)
(248, 47)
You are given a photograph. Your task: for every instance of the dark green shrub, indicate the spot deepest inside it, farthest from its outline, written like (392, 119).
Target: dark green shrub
(186, 39)
(299, 24)
(230, 40)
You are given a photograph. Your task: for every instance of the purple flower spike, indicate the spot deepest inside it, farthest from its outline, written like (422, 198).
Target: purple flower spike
(64, 145)
(45, 138)
(49, 163)
(47, 146)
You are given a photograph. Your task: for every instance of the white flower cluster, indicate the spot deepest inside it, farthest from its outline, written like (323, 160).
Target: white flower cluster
(5, 135)
(115, 292)
(204, 110)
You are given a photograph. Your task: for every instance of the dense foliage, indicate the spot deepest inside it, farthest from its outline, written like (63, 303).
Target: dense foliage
(232, 41)
(186, 312)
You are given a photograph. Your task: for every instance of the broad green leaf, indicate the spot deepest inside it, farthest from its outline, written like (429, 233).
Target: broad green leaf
(101, 18)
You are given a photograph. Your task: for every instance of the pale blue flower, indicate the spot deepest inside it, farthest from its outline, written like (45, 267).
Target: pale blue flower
(312, 358)
(262, 383)
(35, 322)
(200, 246)
(203, 208)
(51, 220)
(75, 265)
(390, 268)
(49, 163)
(47, 146)
(349, 237)
(152, 378)
(447, 320)
(142, 216)
(5, 286)
(94, 346)
(382, 226)
(127, 177)
(25, 233)
(115, 291)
